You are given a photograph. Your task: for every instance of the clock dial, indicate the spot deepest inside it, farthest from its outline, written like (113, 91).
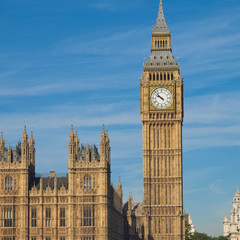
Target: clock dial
(161, 98)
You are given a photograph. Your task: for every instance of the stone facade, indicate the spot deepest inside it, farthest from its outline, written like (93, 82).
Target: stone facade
(162, 116)
(231, 227)
(83, 205)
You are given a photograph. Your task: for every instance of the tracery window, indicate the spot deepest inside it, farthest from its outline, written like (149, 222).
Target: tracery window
(87, 238)
(62, 217)
(8, 183)
(87, 182)
(8, 217)
(88, 216)
(48, 217)
(34, 217)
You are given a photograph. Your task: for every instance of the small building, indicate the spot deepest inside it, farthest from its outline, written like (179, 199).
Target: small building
(231, 226)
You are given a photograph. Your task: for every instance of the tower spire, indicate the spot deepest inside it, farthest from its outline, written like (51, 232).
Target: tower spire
(161, 25)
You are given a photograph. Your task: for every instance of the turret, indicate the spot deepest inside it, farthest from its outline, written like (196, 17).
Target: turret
(104, 146)
(71, 148)
(119, 188)
(2, 143)
(87, 153)
(9, 153)
(77, 143)
(25, 148)
(32, 150)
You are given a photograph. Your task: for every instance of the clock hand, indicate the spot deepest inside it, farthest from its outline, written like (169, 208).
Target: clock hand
(160, 97)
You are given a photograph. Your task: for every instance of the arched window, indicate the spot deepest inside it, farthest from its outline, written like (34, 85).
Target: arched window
(87, 182)
(157, 76)
(168, 76)
(160, 76)
(8, 183)
(164, 76)
(161, 45)
(154, 76)
(150, 77)
(156, 44)
(172, 76)
(166, 44)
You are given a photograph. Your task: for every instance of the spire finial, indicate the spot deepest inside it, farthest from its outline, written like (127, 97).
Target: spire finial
(161, 25)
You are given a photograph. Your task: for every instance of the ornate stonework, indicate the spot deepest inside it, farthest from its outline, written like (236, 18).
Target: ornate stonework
(84, 205)
(162, 117)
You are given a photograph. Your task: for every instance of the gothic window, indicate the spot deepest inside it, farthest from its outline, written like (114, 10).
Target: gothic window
(87, 182)
(8, 183)
(138, 226)
(156, 44)
(8, 217)
(88, 216)
(150, 77)
(166, 44)
(161, 44)
(48, 217)
(87, 238)
(168, 76)
(154, 76)
(172, 76)
(164, 75)
(157, 76)
(62, 217)
(159, 226)
(34, 217)
(161, 76)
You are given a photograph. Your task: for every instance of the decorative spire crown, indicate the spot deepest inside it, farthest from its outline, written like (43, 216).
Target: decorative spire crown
(161, 25)
(25, 135)
(31, 138)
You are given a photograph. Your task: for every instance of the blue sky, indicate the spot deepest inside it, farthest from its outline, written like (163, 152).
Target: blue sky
(82, 60)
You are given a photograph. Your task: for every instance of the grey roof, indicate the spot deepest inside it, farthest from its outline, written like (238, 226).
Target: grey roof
(136, 206)
(49, 181)
(15, 154)
(160, 59)
(161, 26)
(93, 153)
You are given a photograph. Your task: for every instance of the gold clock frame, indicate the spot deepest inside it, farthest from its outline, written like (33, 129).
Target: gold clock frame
(171, 108)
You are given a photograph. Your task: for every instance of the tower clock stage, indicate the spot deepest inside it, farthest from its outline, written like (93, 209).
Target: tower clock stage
(162, 115)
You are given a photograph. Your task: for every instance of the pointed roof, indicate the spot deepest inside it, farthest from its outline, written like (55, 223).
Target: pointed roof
(237, 194)
(119, 184)
(161, 25)
(31, 141)
(25, 135)
(2, 142)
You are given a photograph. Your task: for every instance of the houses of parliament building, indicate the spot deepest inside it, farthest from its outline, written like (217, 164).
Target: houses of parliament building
(84, 205)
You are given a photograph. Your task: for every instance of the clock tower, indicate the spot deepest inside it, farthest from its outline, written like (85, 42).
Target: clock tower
(162, 116)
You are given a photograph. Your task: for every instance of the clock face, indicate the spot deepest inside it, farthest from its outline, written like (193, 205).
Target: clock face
(161, 98)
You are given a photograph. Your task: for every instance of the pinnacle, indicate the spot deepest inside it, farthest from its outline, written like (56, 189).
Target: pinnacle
(161, 25)
(25, 136)
(2, 139)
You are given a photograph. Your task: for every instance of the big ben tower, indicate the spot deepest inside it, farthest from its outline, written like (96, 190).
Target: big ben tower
(162, 117)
